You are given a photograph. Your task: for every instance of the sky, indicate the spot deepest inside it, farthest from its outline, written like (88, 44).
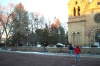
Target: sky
(49, 8)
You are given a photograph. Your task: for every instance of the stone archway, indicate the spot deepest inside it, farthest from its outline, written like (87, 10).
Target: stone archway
(95, 34)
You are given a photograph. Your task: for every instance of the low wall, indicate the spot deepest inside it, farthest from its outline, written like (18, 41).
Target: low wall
(40, 49)
(92, 50)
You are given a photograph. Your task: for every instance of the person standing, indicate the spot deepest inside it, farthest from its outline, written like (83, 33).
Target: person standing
(45, 50)
(71, 49)
(77, 52)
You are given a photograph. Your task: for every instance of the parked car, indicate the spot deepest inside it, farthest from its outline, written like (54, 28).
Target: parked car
(52, 46)
(96, 44)
(38, 45)
(60, 45)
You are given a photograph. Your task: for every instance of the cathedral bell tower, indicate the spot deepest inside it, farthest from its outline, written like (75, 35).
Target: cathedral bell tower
(81, 15)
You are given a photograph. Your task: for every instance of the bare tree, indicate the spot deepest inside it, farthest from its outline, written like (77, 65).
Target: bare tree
(37, 21)
(5, 19)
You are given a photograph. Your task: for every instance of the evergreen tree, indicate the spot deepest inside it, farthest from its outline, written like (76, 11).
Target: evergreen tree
(20, 25)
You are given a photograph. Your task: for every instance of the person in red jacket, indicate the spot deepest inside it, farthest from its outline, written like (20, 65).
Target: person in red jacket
(77, 52)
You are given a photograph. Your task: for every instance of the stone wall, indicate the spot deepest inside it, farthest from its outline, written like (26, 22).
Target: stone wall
(92, 50)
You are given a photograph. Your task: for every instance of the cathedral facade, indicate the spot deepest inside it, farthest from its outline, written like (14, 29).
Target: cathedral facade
(84, 22)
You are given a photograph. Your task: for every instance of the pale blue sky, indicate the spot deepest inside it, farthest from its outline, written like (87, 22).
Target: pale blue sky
(49, 8)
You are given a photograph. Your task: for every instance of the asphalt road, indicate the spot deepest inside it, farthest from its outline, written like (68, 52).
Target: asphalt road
(22, 59)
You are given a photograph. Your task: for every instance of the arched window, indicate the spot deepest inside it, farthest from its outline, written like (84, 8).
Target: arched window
(74, 11)
(78, 11)
(98, 3)
(76, 2)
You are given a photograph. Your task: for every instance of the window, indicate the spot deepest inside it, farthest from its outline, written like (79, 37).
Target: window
(98, 3)
(74, 11)
(76, 2)
(78, 11)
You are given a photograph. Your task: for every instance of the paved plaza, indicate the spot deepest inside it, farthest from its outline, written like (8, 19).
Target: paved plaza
(13, 58)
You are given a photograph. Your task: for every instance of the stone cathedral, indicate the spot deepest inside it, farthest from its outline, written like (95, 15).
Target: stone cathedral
(84, 22)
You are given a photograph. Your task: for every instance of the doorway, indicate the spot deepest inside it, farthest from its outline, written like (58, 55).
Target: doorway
(97, 37)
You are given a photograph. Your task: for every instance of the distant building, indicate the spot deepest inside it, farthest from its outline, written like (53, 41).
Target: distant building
(84, 22)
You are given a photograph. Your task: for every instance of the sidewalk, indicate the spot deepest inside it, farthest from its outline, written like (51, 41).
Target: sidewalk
(56, 54)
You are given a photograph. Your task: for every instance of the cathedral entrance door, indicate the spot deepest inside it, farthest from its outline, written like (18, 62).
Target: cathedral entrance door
(97, 37)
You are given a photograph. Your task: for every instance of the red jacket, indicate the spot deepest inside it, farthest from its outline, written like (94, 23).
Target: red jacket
(77, 50)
